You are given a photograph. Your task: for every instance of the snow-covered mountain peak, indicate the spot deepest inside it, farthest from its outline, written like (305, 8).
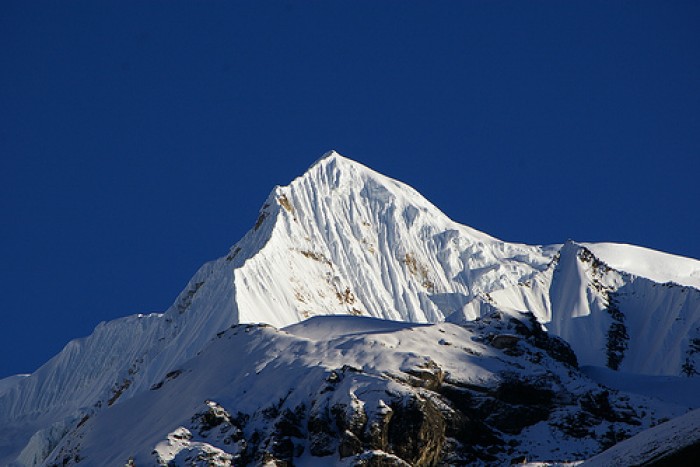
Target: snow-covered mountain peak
(367, 244)
(334, 173)
(332, 156)
(333, 160)
(342, 239)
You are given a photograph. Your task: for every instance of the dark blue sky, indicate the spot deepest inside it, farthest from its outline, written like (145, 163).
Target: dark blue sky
(139, 139)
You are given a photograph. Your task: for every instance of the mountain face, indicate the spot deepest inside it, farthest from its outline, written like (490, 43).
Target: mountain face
(344, 240)
(610, 317)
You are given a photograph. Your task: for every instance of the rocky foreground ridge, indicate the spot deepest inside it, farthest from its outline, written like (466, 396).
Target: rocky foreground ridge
(360, 391)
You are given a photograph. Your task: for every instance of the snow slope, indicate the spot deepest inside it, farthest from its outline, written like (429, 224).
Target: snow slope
(655, 265)
(257, 393)
(663, 444)
(9, 382)
(610, 317)
(343, 239)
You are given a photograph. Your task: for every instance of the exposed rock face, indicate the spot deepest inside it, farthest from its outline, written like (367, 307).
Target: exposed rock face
(417, 431)
(409, 430)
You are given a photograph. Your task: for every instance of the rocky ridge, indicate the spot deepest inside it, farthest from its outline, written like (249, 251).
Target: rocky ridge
(358, 391)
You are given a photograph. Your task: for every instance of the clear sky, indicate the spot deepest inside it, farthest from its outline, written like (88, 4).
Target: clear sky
(139, 139)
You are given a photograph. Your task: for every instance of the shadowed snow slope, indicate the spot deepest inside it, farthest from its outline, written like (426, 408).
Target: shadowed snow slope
(344, 240)
(676, 442)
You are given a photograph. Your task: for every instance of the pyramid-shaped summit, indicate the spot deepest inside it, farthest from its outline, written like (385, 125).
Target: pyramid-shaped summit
(345, 239)
(339, 239)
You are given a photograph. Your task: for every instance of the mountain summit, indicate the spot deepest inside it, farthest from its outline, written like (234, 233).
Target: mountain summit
(342, 239)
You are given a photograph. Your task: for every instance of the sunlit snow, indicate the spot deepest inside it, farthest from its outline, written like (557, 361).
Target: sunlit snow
(344, 240)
